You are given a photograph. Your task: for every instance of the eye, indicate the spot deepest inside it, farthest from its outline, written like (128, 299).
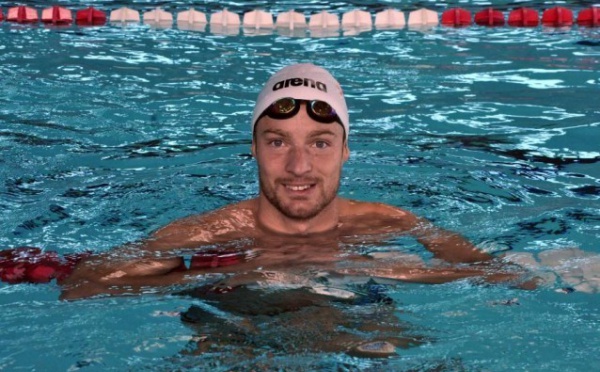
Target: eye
(321, 144)
(276, 143)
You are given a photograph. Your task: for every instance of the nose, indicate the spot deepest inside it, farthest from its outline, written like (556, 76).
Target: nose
(299, 161)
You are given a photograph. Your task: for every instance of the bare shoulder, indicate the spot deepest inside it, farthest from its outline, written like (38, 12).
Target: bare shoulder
(349, 208)
(233, 221)
(377, 217)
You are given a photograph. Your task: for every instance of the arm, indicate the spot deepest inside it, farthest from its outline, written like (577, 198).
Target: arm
(455, 249)
(444, 245)
(431, 275)
(447, 245)
(121, 271)
(154, 262)
(413, 271)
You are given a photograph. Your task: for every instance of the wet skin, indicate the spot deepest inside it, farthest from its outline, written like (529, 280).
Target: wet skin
(296, 229)
(297, 222)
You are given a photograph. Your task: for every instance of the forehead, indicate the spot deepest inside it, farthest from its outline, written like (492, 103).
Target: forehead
(296, 128)
(300, 124)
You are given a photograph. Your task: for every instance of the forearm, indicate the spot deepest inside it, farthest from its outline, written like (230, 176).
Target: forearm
(423, 275)
(79, 289)
(453, 248)
(448, 246)
(491, 272)
(99, 275)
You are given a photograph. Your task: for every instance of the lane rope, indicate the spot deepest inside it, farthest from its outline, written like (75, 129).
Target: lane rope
(226, 21)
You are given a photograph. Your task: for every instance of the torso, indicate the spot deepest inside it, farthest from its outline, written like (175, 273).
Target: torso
(234, 227)
(238, 221)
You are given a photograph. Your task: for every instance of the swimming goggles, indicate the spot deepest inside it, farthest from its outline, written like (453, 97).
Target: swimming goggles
(286, 108)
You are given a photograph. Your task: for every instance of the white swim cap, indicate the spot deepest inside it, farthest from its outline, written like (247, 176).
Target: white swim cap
(303, 81)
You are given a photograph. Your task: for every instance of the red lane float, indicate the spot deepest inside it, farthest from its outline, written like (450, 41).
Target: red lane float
(489, 17)
(90, 17)
(32, 265)
(57, 15)
(1, 15)
(212, 259)
(457, 17)
(22, 14)
(524, 17)
(589, 17)
(557, 17)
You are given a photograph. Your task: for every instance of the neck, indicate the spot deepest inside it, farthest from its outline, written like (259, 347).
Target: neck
(270, 218)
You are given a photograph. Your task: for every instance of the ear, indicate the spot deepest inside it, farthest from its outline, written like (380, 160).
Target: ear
(253, 149)
(345, 152)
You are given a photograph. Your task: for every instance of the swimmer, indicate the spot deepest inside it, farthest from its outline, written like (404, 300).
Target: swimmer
(300, 130)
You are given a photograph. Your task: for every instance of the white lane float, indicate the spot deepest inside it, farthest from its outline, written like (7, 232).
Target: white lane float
(225, 23)
(291, 24)
(291, 20)
(258, 19)
(158, 18)
(225, 18)
(357, 19)
(422, 18)
(191, 20)
(124, 15)
(324, 19)
(390, 19)
(324, 24)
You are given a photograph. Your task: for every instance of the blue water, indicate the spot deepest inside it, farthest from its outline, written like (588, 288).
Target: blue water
(109, 133)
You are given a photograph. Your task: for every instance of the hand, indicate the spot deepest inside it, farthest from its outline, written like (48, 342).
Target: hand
(575, 269)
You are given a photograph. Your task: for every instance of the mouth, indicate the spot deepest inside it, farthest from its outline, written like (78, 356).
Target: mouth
(299, 187)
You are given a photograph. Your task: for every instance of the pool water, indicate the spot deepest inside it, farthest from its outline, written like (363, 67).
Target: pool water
(108, 133)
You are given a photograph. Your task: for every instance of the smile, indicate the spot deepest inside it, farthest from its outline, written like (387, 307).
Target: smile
(298, 187)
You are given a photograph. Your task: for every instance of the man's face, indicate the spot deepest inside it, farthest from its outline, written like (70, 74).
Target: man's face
(299, 162)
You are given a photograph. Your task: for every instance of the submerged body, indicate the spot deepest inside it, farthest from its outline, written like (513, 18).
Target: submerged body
(297, 233)
(298, 222)
(157, 261)
(264, 290)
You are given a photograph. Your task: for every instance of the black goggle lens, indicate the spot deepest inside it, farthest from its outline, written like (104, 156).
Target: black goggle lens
(323, 110)
(282, 109)
(285, 108)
